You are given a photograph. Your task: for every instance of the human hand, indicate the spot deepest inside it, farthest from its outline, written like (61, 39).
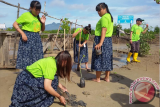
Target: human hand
(43, 19)
(146, 25)
(130, 41)
(79, 30)
(62, 100)
(98, 46)
(24, 37)
(64, 88)
(80, 45)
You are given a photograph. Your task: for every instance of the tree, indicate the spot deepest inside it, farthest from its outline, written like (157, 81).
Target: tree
(65, 25)
(156, 29)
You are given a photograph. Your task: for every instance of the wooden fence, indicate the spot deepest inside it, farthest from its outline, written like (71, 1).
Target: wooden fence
(9, 41)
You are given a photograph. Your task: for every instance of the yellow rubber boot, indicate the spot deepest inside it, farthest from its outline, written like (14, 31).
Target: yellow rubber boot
(129, 55)
(135, 56)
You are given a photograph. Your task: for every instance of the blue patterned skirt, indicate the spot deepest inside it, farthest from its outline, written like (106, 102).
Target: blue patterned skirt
(83, 51)
(103, 62)
(29, 91)
(30, 51)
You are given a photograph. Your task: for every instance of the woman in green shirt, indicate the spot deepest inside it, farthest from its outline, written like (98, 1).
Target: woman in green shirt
(30, 45)
(103, 40)
(37, 85)
(83, 46)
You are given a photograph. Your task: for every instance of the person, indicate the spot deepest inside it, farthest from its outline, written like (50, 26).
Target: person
(117, 32)
(30, 45)
(83, 46)
(37, 85)
(103, 40)
(136, 30)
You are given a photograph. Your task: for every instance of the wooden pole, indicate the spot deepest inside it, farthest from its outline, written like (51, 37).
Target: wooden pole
(79, 50)
(75, 24)
(16, 34)
(74, 38)
(70, 37)
(44, 6)
(57, 33)
(64, 39)
(18, 11)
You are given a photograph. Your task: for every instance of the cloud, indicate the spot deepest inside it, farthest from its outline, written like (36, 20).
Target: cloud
(57, 3)
(68, 15)
(136, 9)
(77, 6)
(157, 14)
(3, 15)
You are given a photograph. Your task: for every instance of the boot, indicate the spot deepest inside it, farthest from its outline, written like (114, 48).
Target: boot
(129, 55)
(135, 55)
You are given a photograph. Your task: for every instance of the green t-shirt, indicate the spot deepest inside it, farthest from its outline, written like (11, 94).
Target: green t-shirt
(45, 67)
(136, 32)
(29, 22)
(106, 22)
(83, 36)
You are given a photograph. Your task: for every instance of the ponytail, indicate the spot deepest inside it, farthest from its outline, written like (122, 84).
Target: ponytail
(39, 19)
(108, 11)
(88, 28)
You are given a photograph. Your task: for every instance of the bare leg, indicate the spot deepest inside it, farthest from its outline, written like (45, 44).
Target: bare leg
(107, 76)
(98, 74)
(86, 63)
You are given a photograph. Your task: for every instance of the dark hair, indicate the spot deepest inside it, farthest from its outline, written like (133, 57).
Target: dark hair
(88, 28)
(64, 71)
(103, 6)
(37, 5)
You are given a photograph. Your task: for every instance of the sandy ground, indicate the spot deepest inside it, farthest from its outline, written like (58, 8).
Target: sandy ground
(103, 94)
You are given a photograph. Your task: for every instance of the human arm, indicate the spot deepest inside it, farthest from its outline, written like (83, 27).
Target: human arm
(50, 90)
(81, 45)
(76, 33)
(130, 40)
(62, 87)
(98, 46)
(16, 26)
(145, 29)
(43, 20)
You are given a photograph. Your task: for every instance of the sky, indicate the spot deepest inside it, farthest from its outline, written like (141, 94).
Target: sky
(84, 11)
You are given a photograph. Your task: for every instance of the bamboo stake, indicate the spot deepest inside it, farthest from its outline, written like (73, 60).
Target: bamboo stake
(79, 50)
(70, 38)
(57, 33)
(64, 39)
(74, 38)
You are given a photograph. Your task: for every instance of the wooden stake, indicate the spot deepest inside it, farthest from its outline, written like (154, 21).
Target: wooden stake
(64, 39)
(44, 6)
(79, 49)
(70, 37)
(57, 33)
(18, 11)
(73, 39)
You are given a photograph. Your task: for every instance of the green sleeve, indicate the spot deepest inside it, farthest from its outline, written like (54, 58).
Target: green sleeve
(77, 37)
(21, 19)
(132, 29)
(77, 30)
(50, 70)
(104, 22)
(87, 37)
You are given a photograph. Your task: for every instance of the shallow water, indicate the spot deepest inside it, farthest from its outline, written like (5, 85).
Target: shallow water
(119, 60)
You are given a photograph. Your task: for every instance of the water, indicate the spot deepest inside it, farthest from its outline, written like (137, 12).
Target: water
(118, 61)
